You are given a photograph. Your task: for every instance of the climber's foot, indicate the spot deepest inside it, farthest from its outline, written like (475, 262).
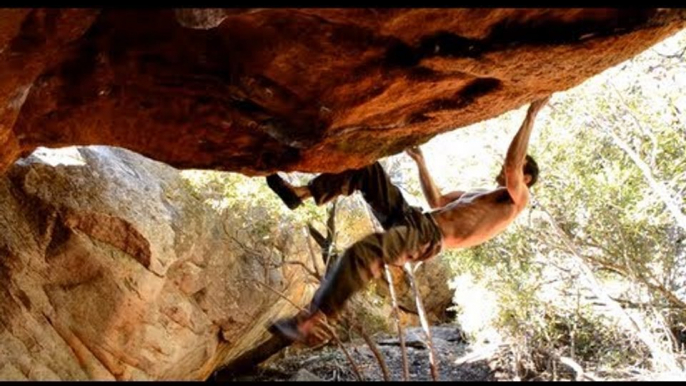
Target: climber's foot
(284, 190)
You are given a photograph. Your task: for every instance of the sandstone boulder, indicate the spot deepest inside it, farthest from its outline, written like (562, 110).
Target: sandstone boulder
(112, 269)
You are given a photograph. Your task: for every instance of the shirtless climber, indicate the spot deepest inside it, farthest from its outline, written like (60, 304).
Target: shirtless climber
(457, 220)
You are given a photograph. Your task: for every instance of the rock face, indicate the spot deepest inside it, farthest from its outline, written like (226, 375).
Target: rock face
(432, 278)
(112, 269)
(259, 90)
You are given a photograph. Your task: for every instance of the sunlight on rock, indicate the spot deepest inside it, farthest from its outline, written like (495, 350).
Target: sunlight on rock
(69, 156)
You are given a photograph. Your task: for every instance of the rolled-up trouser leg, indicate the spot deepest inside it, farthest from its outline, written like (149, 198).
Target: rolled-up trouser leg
(364, 261)
(387, 202)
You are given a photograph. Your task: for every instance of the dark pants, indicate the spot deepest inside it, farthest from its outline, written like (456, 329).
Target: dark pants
(409, 235)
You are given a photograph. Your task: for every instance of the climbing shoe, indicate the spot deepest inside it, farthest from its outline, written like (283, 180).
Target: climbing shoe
(284, 191)
(300, 328)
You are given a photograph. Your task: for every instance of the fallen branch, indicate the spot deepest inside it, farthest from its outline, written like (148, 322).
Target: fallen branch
(423, 320)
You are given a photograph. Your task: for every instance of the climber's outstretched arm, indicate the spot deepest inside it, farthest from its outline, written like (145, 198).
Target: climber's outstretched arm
(431, 192)
(516, 155)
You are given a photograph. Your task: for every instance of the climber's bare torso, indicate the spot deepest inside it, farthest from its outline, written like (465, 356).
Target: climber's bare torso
(470, 218)
(476, 217)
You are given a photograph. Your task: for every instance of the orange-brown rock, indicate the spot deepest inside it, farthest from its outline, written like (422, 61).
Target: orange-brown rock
(259, 90)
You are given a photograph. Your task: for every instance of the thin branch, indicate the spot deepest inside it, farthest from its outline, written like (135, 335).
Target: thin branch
(331, 236)
(313, 257)
(653, 140)
(593, 243)
(618, 269)
(676, 55)
(423, 321)
(373, 347)
(664, 291)
(356, 370)
(317, 236)
(640, 305)
(663, 323)
(300, 263)
(396, 315)
(279, 294)
(237, 241)
(394, 303)
(331, 227)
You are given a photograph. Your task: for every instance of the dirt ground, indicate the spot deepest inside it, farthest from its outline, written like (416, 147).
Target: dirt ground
(329, 363)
